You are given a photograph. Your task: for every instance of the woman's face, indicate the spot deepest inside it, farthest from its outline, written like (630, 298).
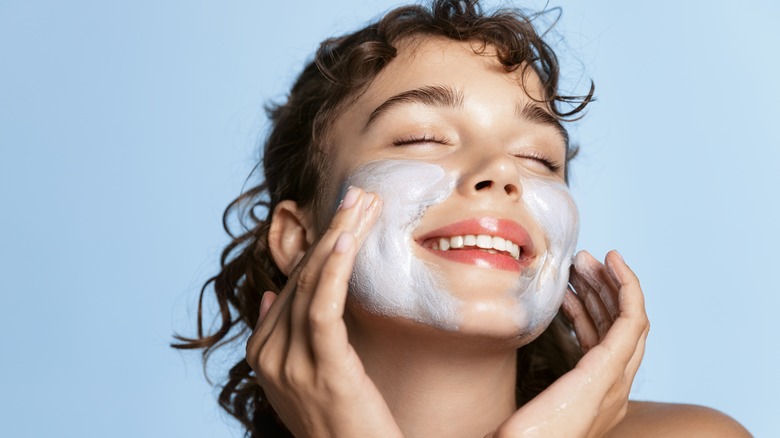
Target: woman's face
(478, 228)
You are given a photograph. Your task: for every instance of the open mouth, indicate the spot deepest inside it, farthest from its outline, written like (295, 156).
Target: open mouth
(486, 242)
(490, 244)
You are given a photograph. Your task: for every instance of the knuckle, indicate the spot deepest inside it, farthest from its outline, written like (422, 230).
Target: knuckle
(293, 376)
(639, 324)
(318, 319)
(305, 279)
(621, 413)
(642, 324)
(576, 311)
(265, 363)
(331, 270)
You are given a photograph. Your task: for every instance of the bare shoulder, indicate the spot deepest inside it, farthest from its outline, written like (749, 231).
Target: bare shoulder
(649, 419)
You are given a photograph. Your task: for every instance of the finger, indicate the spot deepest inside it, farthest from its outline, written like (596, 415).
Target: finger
(372, 207)
(602, 283)
(276, 307)
(271, 307)
(266, 324)
(347, 218)
(630, 298)
(584, 328)
(326, 324)
(326, 262)
(278, 335)
(595, 274)
(328, 301)
(269, 318)
(622, 339)
(587, 292)
(326, 314)
(326, 308)
(636, 358)
(265, 303)
(267, 348)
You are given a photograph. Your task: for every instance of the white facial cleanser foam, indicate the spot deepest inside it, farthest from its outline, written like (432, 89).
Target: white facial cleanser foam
(540, 291)
(389, 280)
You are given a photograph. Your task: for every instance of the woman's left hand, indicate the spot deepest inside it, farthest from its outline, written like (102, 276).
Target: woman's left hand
(609, 318)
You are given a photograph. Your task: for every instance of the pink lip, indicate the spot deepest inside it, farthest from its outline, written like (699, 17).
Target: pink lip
(504, 228)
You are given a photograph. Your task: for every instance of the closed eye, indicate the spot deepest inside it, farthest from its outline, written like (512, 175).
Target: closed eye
(551, 164)
(415, 139)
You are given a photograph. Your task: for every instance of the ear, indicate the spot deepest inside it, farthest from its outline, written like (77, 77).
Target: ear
(290, 235)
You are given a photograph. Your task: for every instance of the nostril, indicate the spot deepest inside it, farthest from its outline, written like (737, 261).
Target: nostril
(483, 185)
(510, 189)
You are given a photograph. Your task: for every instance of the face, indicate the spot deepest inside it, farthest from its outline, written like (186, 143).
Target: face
(478, 228)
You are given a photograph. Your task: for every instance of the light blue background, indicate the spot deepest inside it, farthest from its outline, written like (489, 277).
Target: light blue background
(125, 128)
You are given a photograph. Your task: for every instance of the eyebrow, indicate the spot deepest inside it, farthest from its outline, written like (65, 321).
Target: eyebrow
(535, 113)
(445, 96)
(433, 95)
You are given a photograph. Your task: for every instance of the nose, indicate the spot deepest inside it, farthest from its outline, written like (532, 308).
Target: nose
(494, 176)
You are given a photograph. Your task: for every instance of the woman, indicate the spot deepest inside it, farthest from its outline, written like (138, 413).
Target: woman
(417, 249)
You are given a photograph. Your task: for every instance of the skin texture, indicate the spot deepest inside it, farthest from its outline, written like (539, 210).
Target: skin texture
(329, 368)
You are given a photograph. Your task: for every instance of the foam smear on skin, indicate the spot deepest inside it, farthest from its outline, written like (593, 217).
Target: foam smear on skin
(539, 293)
(388, 279)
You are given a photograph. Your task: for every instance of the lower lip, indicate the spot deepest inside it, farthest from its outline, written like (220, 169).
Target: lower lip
(480, 258)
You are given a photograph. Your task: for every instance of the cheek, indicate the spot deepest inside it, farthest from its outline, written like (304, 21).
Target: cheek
(407, 188)
(553, 208)
(387, 279)
(541, 293)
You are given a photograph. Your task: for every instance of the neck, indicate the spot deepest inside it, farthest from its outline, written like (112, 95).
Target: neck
(438, 383)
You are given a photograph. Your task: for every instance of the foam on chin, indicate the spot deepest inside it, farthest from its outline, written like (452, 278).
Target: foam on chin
(389, 280)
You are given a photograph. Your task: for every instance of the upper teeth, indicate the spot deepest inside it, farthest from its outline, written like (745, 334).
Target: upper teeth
(482, 241)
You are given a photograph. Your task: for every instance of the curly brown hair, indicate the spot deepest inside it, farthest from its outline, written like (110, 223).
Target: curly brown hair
(294, 167)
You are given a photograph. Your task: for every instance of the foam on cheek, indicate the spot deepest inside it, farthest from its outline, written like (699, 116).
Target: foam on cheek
(540, 292)
(388, 279)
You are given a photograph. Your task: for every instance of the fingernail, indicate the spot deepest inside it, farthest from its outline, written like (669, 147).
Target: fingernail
(611, 271)
(619, 256)
(265, 304)
(343, 243)
(266, 296)
(350, 198)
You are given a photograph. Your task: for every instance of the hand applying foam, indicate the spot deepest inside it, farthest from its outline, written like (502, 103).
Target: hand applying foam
(609, 318)
(299, 349)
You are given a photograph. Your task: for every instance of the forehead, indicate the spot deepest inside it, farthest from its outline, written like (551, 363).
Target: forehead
(490, 94)
(424, 61)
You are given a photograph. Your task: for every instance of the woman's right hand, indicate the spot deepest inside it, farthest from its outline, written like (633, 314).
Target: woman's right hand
(299, 349)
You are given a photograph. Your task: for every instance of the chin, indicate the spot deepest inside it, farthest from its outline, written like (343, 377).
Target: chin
(497, 295)
(501, 322)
